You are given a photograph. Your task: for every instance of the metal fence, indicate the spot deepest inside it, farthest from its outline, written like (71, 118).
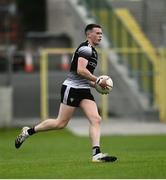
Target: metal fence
(144, 76)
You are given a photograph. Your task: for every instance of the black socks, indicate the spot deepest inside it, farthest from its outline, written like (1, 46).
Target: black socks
(95, 150)
(31, 131)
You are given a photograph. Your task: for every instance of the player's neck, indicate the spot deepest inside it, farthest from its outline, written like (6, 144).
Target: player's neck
(91, 43)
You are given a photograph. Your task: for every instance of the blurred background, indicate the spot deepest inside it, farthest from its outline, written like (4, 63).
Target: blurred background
(36, 44)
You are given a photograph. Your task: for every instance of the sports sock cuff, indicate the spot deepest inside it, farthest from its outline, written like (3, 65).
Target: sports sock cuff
(31, 131)
(95, 150)
(94, 147)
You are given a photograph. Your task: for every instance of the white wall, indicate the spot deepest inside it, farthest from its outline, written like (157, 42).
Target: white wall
(5, 106)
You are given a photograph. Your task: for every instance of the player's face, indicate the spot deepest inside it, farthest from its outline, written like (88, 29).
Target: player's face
(95, 36)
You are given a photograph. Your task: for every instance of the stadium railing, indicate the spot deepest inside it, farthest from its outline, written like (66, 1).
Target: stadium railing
(144, 74)
(123, 31)
(44, 70)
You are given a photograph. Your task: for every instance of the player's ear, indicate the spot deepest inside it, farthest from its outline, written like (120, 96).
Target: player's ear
(88, 34)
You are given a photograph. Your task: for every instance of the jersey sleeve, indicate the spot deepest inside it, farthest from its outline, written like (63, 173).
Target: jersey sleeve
(85, 52)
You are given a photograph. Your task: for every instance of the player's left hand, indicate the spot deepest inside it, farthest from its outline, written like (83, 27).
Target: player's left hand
(103, 83)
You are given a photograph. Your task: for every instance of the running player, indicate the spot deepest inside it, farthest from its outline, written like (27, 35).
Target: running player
(75, 92)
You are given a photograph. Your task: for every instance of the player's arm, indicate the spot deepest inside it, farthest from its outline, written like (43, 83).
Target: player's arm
(83, 71)
(92, 84)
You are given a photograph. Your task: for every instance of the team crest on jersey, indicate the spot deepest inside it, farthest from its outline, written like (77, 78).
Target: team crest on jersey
(71, 99)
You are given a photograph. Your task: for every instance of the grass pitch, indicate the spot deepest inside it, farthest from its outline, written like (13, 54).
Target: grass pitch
(59, 154)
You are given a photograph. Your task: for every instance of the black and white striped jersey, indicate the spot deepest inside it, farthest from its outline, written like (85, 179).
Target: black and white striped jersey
(88, 52)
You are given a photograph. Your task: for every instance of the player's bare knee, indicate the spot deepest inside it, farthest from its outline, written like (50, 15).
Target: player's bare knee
(62, 124)
(98, 119)
(95, 119)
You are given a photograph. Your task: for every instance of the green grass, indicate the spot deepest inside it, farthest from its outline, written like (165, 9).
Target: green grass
(59, 154)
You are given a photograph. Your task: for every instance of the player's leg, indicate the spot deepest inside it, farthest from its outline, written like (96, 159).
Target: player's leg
(64, 115)
(90, 109)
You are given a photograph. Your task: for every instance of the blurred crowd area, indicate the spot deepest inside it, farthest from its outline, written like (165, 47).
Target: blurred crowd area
(27, 26)
(134, 35)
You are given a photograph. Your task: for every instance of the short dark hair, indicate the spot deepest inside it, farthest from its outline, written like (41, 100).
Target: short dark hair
(91, 26)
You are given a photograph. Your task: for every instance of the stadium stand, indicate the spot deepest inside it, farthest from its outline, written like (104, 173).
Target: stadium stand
(74, 7)
(150, 14)
(69, 19)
